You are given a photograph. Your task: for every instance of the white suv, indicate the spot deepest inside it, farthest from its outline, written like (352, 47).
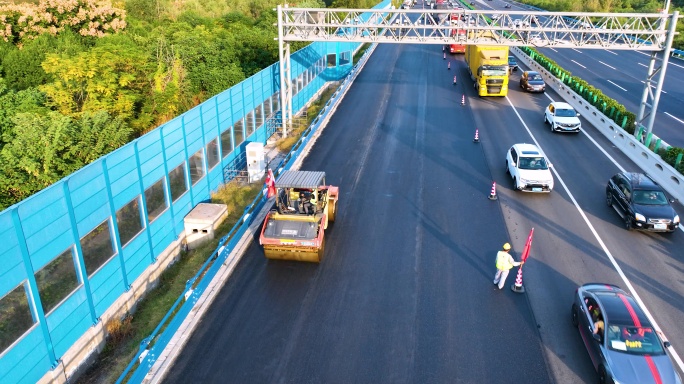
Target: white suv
(529, 168)
(562, 118)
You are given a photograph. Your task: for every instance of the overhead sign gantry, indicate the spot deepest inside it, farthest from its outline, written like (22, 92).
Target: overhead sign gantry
(653, 32)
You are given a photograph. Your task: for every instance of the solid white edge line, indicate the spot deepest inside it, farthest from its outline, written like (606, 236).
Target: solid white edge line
(579, 64)
(616, 85)
(631, 289)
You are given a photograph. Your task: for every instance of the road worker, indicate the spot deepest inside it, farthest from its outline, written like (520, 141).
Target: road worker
(504, 263)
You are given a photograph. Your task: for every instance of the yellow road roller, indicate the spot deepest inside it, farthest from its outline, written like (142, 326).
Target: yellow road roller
(294, 228)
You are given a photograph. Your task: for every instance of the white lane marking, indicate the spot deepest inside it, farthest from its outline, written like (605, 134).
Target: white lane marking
(579, 64)
(628, 284)
(653, 87)
(645, 54)
(643, 65)
(675, 64)
(576, 50)
(609, 51)
(553, 49)
(680, 120)
(613, 68)
(616, 85)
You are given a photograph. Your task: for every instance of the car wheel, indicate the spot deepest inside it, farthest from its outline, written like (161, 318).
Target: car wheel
(575, 318)
(507, 171)
(546, 121)
(515, 184)
(551, 125)
(628, 222)
(609, 199)
(602, 375)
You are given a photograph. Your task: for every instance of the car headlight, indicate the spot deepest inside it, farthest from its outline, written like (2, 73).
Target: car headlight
(639, 217)
(676, 219)
(523, 181)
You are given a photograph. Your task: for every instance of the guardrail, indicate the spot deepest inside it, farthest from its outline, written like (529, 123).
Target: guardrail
(147, 356)
(662, 172)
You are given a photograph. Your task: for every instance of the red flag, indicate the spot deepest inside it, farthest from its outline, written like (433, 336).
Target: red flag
(528, 245)
(270, 184)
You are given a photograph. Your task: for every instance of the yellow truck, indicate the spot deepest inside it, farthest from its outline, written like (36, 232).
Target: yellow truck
(488, 67)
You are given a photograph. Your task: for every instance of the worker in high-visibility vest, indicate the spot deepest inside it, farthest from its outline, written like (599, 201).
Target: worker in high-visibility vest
(504, 263)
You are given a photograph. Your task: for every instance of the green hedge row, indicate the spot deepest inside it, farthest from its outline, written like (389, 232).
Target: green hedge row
(611, 108)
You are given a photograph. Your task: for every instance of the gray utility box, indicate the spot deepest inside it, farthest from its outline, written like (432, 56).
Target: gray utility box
(202, 221)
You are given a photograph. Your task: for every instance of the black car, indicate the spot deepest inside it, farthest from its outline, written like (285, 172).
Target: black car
(624, 347)
(532, 81)
(512, 63)
(641, 202)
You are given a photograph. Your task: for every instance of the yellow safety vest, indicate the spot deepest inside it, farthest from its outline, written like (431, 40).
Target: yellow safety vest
(503, 261)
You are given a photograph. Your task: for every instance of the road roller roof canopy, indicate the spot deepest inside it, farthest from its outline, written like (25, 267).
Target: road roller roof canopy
(301, 179)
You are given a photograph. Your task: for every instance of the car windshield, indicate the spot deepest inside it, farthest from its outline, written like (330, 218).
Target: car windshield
(633, 340)
(533, 163)
(489, 70)
(535, 78)
(565, 113)
(643, 197)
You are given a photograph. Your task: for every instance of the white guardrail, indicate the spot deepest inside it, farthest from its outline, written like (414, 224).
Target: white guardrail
(651, 164)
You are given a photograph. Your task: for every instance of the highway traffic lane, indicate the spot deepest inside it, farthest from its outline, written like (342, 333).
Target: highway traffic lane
(625, 84)
(577, 160)
(587, 171)
(548, 278)
(404, 293)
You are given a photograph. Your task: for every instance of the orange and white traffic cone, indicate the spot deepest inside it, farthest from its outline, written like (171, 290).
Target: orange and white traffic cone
(449, 65)
(492, 195)
(454, 80)
(463, 99)
(477, 138)
(518, 286)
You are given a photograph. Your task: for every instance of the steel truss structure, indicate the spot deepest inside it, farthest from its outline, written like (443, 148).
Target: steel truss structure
(652, 32)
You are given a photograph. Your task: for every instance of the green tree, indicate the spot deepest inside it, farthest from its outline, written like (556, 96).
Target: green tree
(97, 134)
(39, 154)
(28, 100)
(111, 76)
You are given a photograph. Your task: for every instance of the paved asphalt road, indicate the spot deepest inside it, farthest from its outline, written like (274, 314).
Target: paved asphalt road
(404, 294)
(621, 75)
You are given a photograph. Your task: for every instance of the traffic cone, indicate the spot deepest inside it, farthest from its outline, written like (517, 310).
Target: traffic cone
(518, 286)
(449, 65)
(463, 99)
(444, 55)
(492, 195)
(454, 80)
(443, 50)
(477, 138)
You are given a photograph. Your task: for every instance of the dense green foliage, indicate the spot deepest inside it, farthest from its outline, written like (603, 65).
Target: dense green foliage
(93, 76)
(620, 6)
